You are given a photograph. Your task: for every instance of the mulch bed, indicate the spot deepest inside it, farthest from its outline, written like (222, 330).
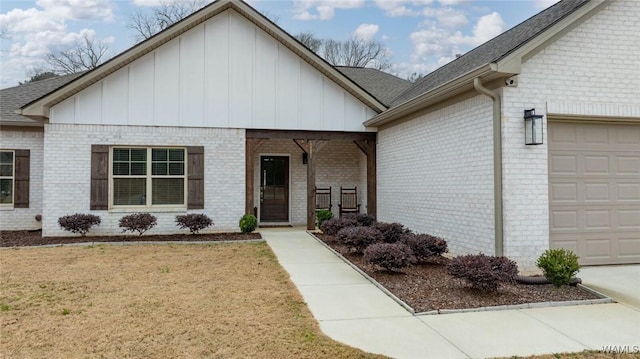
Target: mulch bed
(429, 287)
(34, 238)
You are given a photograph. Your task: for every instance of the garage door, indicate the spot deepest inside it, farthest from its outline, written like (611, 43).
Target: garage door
(594, 191)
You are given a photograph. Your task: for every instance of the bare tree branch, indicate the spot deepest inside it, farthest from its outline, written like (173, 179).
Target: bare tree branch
(309, 40)
(145, 25)
(88, 54)
(355, 52)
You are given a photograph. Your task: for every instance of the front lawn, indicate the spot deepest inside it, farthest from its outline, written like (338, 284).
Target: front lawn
(155, 301)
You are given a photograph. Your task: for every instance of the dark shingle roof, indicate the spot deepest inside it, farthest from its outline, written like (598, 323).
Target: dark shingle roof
(492, 50)
(12, 98)
(383, 86)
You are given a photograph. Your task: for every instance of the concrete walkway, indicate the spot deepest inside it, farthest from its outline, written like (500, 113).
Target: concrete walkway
(352, 310)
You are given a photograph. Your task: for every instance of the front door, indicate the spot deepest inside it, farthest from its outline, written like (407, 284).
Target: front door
(274, 189)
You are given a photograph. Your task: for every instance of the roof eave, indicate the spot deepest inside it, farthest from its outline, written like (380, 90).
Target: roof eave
(39, 108)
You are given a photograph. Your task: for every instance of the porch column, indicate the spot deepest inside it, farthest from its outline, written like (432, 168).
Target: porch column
(368, 147)
(251, 148)
(310, 147)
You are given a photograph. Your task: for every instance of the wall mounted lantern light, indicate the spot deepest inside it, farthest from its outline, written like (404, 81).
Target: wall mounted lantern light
(532, 128)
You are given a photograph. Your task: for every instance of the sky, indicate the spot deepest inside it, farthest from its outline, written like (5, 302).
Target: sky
(420, 35)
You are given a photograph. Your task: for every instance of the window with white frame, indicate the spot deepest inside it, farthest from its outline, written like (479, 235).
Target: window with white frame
(148, 176)
(7, 174)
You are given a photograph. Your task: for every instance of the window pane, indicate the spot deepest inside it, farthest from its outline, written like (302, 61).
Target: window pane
(121, 168)
(129, 191)
(6, 191)
(6, 157)
(139, 155)
(121, 154)
(168, 191)
(176, 169)
(6, 170)
(159, 154)
(138, 168)
(176, 155)
(159, 169)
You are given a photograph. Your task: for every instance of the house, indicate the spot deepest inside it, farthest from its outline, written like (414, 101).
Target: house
(213, 115)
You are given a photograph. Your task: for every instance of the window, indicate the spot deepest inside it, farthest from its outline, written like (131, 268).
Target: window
(7, 173)
(148, 176)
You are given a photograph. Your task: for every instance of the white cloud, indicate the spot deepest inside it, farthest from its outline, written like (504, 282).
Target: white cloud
(543, 4)
(452, 2)
(366, 32)
(324, 9)
(37, 31)
(447, 16)
(398, 8)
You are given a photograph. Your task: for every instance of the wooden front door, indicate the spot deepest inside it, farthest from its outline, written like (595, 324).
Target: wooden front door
(274, 189)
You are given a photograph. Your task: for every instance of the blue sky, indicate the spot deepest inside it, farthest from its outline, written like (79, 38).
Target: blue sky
(421, 35)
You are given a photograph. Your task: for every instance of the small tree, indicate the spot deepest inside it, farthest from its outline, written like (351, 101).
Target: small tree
(138, 222)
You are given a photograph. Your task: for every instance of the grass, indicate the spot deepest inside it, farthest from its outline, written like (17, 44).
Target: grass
(155, 301)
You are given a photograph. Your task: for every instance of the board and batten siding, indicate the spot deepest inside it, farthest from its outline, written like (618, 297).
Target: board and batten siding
(435, 175)
(224, 73)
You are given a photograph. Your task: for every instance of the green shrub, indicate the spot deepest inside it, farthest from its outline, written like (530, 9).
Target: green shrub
(138, 222)
(194, 221)
(559, 265)
(323, 215)
(248, 223)
(388, 256)
(78, 223)
(483, 272)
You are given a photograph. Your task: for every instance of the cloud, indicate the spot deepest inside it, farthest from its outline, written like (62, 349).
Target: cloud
(439, 41)
(321, 9)
(543, 4)
(447, 16)
(38, 31)
(398, 8)
(366, 32)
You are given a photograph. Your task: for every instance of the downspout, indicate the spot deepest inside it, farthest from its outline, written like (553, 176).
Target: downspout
(497, 164)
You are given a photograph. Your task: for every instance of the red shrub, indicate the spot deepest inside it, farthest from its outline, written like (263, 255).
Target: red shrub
(359, 238)
(425, 246)
(388, 256)
(482, 271)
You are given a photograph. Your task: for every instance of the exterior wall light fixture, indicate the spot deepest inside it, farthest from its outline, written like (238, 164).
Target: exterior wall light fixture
(533, 132)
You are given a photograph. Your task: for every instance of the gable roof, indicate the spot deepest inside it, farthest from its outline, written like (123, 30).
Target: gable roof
(39, 108)
(384, 86)
(12, 98)
(497, 58)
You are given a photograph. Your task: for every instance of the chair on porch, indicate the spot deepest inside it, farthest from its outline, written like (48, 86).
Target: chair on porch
(323, 198)
(349, 201)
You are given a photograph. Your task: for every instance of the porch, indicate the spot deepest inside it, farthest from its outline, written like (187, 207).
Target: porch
(284, 167)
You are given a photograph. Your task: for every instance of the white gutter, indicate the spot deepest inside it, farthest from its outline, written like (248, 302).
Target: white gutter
(497, 164)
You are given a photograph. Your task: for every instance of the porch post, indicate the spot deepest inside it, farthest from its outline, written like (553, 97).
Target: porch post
(251, 147)
(310, 147)
(368, 147)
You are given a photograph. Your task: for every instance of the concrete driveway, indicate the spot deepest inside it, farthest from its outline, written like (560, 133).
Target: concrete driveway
(620, 282)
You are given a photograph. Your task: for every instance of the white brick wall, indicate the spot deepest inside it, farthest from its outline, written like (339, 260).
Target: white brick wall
(24, 218)
(595, 63)
(435, 175)
(67, 171)
(339, 163)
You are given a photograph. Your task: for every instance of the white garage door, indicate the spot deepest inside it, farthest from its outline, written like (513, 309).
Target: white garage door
(594, 191)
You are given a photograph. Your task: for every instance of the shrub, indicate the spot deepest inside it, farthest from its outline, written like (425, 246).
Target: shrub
(424, 246)
(138, 222)
(334, 225)
(248, 223)
(323, 215)
(482, 271)
(359, 238)
(392, 232)
(558, 265)
(194, 221)
(388, 256)
(362, 219)
(78, 223)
